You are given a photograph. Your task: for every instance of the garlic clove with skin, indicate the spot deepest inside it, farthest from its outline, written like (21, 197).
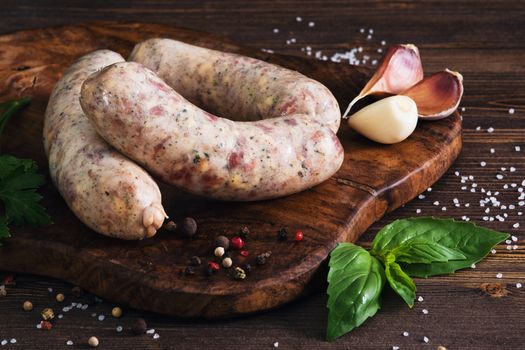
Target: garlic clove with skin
(438, 95)
(387, 121)
(399, 69)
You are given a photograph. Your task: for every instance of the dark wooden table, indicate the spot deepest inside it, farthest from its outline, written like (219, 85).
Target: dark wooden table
(472, 309)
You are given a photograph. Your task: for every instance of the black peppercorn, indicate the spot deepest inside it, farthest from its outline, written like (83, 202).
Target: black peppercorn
(261, 259)
(139, 326)
(222, 241)
(245, 232)
(247, 268)
(282, 234)
(195, 261)
(188, 271)
(188, 227)
(170, 226)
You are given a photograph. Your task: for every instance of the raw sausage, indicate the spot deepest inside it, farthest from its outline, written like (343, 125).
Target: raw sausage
(237, 87)
(108, 192)
(140, 115)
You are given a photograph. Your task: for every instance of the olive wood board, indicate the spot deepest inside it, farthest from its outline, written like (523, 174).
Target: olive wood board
(373, 180)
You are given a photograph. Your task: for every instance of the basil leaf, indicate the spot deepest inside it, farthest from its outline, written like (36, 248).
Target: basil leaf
(355, 282)
(472, 241)
(426, 253)
(400, 282)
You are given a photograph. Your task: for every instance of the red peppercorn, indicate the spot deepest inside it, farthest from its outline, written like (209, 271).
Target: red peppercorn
(237, 242)
(244, 253)
(299, 236)
(46, 325)
(213, 265)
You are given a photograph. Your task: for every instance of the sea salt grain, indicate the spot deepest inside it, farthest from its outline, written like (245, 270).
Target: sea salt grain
(311, 24)
(276, 30)
(13, 341)
(514, 238)
(69, 342)
(420, 298)
(4, 342)
(499, 177)
(101, 317)
(150, 331)
(405, 334)
(156, 336)
(512, 169)
(425, 339)
(499, 275)
(492, 150)
(276, 344)
(490, 130)
(517, 148)
(483, 163)
(518, 285)
(511, 110)
(424, 311)
(299, 19)
(436, 203)
(395, 347)
(119, 329)
(516, 225)
(418, 211)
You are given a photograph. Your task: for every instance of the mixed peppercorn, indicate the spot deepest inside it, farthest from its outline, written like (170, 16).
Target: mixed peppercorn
(228, 253)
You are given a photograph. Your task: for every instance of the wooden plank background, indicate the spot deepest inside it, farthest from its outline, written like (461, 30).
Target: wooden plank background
(484, 40)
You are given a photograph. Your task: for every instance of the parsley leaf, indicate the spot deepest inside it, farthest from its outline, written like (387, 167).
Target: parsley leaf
(19, 181)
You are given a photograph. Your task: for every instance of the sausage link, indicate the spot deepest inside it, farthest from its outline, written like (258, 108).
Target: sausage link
(234, 86)
(108, 192)
(140, 115)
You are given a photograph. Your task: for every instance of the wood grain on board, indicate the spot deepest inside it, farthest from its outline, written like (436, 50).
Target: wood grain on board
(373, 180)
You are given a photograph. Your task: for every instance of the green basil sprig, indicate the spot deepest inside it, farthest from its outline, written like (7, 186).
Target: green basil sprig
(415, 247)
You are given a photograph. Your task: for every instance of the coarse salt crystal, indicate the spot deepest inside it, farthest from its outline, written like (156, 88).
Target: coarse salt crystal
(490, 130)
(276, 344)
(425, 339)
(13, 341)
(518, 285)
(473, 266)
(436, 203)
(101, 317)
(298, 19)
(156, 336)
(508, 241)
(514, 238)
(511, 110)
(512, 169)
(150, 331)
(395, 347)
(499, 275)
(119, 329)
(492, 150)
(424, 311)
(493, 251)
(418, 211)
(420, 298)
(483, 163)
(311, 24)
(516, 225)
(50, 290)
(406, 334)
(368, 37)
(4, 342)
(478, 128)
(499, 177)
(514, 247)
(362, 30)
(276, 30)
(517, 148)
(69, 342)
(60, 316)
(421, 196)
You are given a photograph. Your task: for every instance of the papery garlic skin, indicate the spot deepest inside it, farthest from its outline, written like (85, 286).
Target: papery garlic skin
(387, 121)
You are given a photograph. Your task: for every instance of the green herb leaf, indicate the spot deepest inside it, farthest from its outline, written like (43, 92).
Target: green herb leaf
(18, 184)
(9, 108)
(438, 242)
(400, 282)
(355, 282)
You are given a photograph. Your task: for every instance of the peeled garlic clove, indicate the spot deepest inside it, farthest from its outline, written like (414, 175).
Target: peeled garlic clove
(387, 121)
(437, 96)
(399, 69)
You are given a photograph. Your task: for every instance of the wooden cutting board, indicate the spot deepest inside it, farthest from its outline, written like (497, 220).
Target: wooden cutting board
(373, 180)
